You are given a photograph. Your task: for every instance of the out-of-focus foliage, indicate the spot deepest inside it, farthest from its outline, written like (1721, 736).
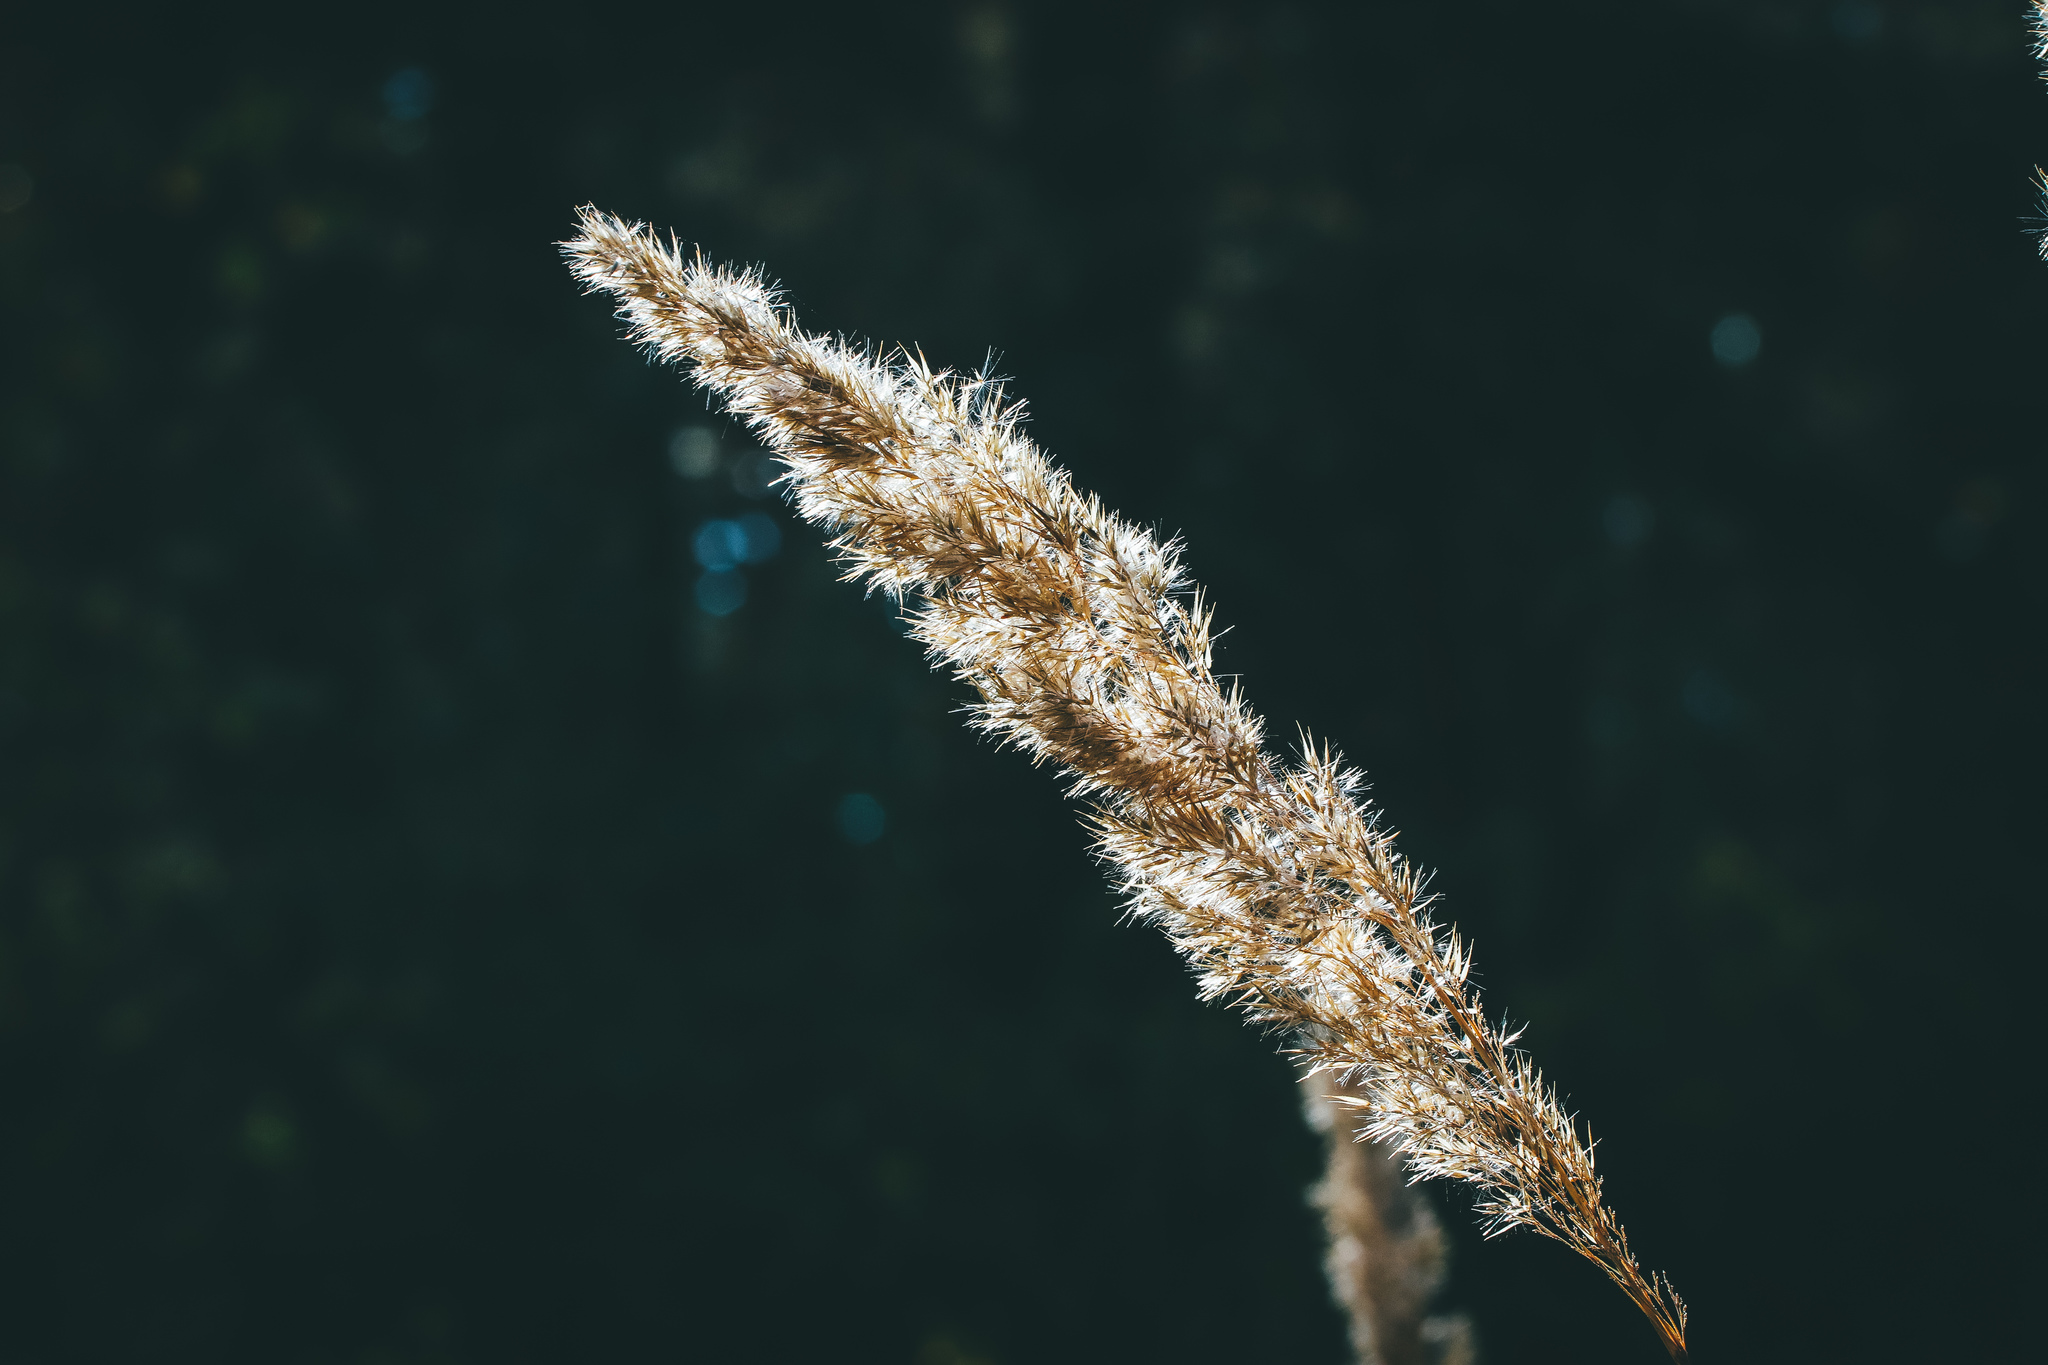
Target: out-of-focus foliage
(433, 775)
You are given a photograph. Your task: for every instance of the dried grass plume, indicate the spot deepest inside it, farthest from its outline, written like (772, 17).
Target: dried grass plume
(1089, 649)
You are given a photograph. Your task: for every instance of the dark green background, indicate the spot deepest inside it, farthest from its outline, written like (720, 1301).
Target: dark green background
(425, 935)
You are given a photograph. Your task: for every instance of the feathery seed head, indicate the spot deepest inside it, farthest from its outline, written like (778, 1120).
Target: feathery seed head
(1087, 651)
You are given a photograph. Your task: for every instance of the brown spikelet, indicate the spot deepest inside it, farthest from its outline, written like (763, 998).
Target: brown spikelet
(1089, 650)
